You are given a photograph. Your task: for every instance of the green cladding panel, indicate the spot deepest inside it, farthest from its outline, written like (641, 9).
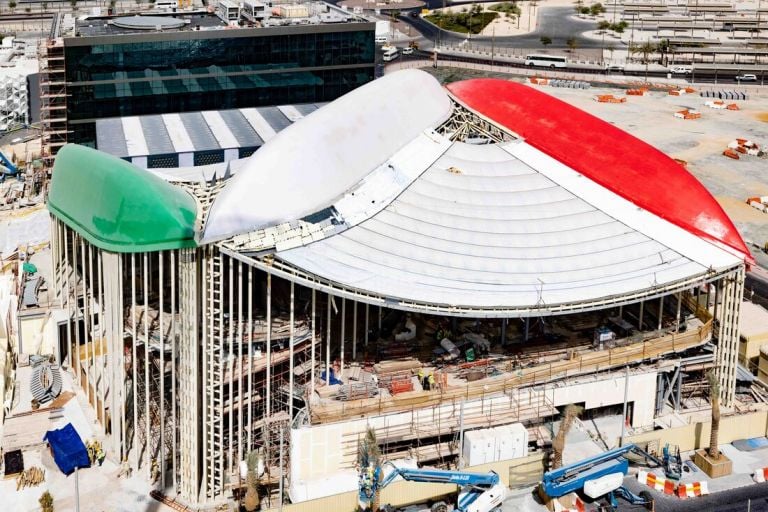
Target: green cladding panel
(118, 207)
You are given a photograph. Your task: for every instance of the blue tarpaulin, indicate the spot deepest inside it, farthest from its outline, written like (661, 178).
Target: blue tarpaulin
(68, 449)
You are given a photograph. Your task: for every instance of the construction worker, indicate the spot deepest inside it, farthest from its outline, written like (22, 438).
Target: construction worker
(424, 381)
(421, 375)
(431, 381)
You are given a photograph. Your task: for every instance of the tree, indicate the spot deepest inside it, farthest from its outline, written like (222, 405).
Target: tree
(603, 25)
(545, 40)
(714, 397)
(12, 5)
(596, 9)
(73, 3)
(251, 501)
(646, 49)
(46, 502)
(572, 43)
(570, 413)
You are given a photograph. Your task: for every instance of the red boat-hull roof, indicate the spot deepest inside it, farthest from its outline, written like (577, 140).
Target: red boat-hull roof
(607, 155)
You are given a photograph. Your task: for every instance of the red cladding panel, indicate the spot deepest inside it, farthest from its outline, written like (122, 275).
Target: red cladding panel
(607, 155)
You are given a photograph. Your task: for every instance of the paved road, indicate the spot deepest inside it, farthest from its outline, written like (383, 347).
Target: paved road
(554, 22)
(753, 498)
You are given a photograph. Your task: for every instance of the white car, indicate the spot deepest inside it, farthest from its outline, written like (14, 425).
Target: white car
(746, 77)
(407, 50)
(680, 69)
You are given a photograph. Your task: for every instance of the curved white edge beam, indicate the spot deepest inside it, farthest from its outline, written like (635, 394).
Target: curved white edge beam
(314, 161)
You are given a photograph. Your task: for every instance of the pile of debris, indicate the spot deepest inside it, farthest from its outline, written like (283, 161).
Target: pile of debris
(688, 114)
(721, 105)
(743, 147)
(609, 98)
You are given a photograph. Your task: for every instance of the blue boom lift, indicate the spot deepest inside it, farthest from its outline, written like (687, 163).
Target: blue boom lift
(480, 492)
(10, 168)
(605, 471)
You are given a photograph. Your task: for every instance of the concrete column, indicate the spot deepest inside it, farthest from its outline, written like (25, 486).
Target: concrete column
(727, 353)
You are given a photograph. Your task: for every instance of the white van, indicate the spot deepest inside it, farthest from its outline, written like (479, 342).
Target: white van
(381, 39)
(390, 54)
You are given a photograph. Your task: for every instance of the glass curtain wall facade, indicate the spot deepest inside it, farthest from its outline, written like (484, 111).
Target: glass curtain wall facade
(116, 76)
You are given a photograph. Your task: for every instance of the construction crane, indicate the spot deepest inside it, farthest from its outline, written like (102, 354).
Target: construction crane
(10, 168)
(601, 475)
(480, 492)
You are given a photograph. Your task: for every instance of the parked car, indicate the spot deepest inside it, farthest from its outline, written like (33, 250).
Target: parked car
(407, 50)
(746, 77)
(680, 69)
(614, 67)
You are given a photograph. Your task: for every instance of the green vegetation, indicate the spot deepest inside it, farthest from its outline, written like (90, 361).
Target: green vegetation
(572, 43)
(593, 9)
(545, 40)
(596, 9)
(46, 502)
(619, 27)
(472, 21)
(506, 7)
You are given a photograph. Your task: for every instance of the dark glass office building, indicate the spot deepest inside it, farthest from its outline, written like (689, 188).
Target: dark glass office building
(113, 72)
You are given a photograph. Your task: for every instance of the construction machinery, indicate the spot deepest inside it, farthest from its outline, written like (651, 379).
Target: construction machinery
(480, 492)
(673, 464)
(10, 168)
(599, 476)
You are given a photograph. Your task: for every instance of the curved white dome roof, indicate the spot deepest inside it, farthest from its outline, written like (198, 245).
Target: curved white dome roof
(313, 162)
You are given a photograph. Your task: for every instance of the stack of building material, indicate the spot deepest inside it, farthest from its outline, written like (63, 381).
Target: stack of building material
(688, 114)
(637, 92)
(609, 98)
(357, 390)
(759, 203)
(386, 371)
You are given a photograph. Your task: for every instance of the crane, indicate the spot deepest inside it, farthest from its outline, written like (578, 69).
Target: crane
(480, 492)
(601, 475)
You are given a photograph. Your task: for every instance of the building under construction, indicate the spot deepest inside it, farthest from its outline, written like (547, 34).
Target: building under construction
(410, 258)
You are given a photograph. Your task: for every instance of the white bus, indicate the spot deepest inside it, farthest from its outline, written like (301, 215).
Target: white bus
(547, 61)
(391, 53)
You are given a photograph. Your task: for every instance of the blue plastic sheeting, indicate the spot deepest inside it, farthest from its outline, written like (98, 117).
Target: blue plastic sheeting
(750, 445)
(333, 380)
(68, 449)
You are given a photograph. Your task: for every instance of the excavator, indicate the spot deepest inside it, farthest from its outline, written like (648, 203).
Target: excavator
(480, 492)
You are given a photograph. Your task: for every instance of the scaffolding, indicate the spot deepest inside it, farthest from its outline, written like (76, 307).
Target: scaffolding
(53, 97)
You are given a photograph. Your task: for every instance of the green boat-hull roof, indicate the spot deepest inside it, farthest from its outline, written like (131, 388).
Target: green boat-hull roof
(117, 206)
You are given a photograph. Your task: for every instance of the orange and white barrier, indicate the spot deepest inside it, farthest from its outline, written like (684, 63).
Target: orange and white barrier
(578, 506)
(761, 475)
(691, 490)
(656, 482)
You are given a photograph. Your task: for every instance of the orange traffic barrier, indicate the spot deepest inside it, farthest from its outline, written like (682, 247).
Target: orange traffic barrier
(692, 490)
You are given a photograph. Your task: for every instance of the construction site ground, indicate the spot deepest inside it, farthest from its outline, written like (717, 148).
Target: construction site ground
(100, 488)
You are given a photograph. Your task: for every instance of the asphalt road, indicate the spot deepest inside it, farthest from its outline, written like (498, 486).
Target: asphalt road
(554, 22)
(752, 498)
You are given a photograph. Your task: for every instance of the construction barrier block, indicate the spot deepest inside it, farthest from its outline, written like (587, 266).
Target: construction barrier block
(669, 487)
(761, 475)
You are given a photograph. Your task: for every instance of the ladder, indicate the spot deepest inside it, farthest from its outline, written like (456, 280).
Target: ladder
(215, 384)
